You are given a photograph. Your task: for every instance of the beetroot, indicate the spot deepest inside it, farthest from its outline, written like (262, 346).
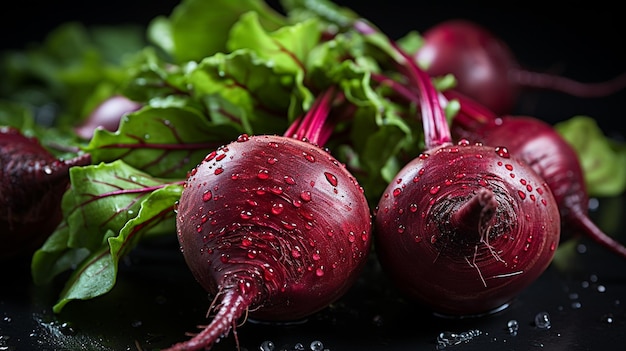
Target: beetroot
(33, 183)
(463, 228)
(274, 226)
(106, 115)
(487, 70)
(552, 157)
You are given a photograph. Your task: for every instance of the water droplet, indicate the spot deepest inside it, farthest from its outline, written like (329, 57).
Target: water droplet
(331, 178)
(296, 252)
(290, 180)
(521, 194)
(267, 346)
(277, 208)
(316, 256)
(607, 318)
(319, 271)
(396, 192)
(218, 171)
(288, 226)
(447, 338)
(316, 345)
(305, 195)
(220, 157)
(435, 189)
(512, 327)
(508, 166)
(207, 195)
(210, 156)
(502, 152)
(268, 274)
(308, 157)
(542, 320)
(245, 214)
(277, 190)
(242, 138)
(263, 174)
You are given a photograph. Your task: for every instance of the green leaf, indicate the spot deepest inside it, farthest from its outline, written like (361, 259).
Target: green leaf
(96, 276)
(68, 67)
(109, 208)
(603, 160)
(248, 90)
(286, 49)
(197, 28)
(166, 140)
(55, 257)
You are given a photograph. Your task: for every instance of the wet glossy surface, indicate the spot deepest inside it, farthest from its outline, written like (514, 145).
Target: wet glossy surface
(582, 296)
(156, 301)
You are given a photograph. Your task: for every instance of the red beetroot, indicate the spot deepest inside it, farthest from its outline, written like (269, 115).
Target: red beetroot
(32, 182)
(463, 228)
(552, 157)
(487, 70)
(272, 225)
(107, 116)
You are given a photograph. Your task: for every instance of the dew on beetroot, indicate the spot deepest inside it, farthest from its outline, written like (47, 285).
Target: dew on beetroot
(277, 208)
(263, 174)
(308, 157)
(305, 195)
(502, 152)
(331, 178)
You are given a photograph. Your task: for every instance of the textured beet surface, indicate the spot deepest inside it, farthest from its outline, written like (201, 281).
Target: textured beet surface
(272, 225)
(463, 228)
(33, 183)
(538, 144)
(471, 267)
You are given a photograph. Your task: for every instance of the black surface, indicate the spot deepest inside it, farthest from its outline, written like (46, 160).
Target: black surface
(156, 301)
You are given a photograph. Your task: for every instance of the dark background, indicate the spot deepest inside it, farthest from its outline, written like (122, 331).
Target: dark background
(156, 301)
(586, 43)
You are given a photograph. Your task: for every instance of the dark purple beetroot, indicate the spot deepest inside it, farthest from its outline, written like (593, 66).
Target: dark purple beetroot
(538, 144)
(487, 70)
(273, 226)
(106, 116)
(33, 182)
(463, 228)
